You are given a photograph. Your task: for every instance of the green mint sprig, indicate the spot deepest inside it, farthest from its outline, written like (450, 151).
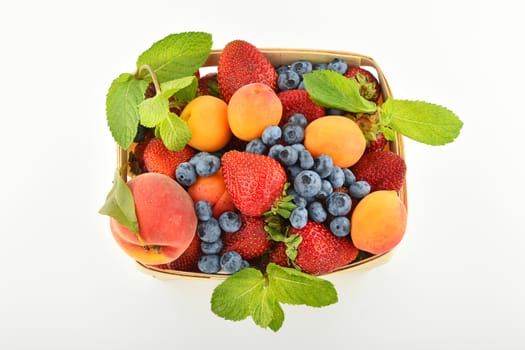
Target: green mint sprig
(421, 121)
(249, 292)
(170, 64)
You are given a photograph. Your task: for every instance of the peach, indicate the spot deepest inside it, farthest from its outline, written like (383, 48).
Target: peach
(378, 222)
(251, 109)
(212, 189)
(337, 136)
(166, 218)
(207, 118)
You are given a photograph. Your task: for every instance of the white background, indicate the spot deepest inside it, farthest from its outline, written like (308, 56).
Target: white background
(455, 282)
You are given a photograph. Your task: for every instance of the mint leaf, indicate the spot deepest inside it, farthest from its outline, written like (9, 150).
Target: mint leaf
(174, 132)
(423, 121)
(120, 204)
(294, 287)
(278, 318)
(264, 309)
(154, 110)
(123, 97)
(333, 90)
(177, 55)
(183, 88)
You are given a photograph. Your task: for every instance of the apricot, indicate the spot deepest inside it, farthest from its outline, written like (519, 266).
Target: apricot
(166, 219)
(337, 136)
(378, 222)
(207, 118)
(212, 189)
(251, 109)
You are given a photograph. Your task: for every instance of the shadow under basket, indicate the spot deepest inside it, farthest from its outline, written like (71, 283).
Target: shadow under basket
(285, 57)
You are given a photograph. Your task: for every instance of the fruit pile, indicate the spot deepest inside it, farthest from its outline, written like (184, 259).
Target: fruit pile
(258, 171)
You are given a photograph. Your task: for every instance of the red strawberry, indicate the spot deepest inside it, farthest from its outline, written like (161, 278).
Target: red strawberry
(251, 240)
(299, 101)
(208, 85)
(378, 144)
(189, 259)
(242, 63)
(320, 251)
(253, 181)
(278, 255)
(368, 83)
(384, 170)
(159, 159)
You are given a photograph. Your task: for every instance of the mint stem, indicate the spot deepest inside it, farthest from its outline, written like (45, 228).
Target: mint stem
(152, 74)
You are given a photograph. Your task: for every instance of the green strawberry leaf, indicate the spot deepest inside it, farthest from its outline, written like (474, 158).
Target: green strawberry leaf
(120, 204)
(174, 132)
(422, 121)
(334, 90)
(177, 55)
(123, 97)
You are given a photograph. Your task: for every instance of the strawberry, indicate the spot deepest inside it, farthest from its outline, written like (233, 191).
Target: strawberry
(251, 240)
(369, 86)
(319, 251)
(383, 170)
(136, 155)
(253, 181)
(378, 144)
(242, 63)
(207, 85)
(299, 101)
(188, 260)
(278, 255)
(159, 159)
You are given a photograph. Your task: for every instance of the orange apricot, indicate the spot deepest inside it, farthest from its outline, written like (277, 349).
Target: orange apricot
(251, 109)
(207, 118)
(212, 189)
(337, 136)
(378, 222)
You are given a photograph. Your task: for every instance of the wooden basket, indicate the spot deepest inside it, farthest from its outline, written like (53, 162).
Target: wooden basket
(279, 57)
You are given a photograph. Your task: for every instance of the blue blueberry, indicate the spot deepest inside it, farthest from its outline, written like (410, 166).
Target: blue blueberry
(338, 65)
(307, 183)
(301, 67)
(256, 146)
(299, 119)
(326, 189)
(300, 202)
(288, 155)
(275, 150)
(320, 66)
(197, 157)
(293, 133)
(185, 174)
(203, 210)
(212, 247)
(299, 217)
(288, 80)
(298, 146)
(141, 133)
(282, 68)
(292, 171)
(317, 212)
(349, 177)
(231, 261)
(244, 264)
(230, 221)
(209, 231)
(337, 177)
(338, 203)
(323, 165)
(271, 135)
(207, 165)
(301, 86)
(209, 263)
(340, 226)
(306, 160)
(359, 189)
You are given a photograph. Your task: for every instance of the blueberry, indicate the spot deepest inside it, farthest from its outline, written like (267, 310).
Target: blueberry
(209, 231)
(271, 135)
(298, 146)
(288, 80)
(340, 226)
(231, 261)
(256, 146)
(319, 66)
(275, 150)
(338, 203)
(293, 133)
(301, 67)
(359, 189)
(141, 132)
(307, 183)
(292, 171)
(323, 165)
(197, 157)
(349, 177)
(207, 165)
(212, 247)
(185, 174)
(326, 189)
(299, 119)
(281, 69)
(209, 263)
(288, 155)
(338, 65)
(230, 221)
(306, 161)
(317, 212)
(299, 217)
(301, 86)
(203, 210)
(300, 202)
(337, 177)
(244, 264)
